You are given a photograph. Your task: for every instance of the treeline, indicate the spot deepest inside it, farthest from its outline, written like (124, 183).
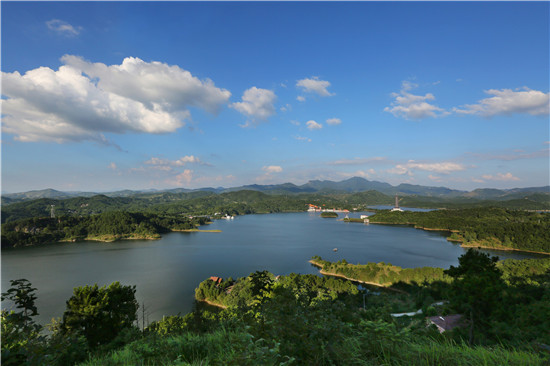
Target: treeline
(107, 226)
(489, 227)
(194, 203)
(380, 273)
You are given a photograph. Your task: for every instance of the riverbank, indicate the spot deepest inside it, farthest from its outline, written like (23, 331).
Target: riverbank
(325, 273)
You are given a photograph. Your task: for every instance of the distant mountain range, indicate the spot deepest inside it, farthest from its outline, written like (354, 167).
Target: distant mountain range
(351, 185)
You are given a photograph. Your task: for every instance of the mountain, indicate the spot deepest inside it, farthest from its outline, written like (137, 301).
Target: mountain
(351, 185)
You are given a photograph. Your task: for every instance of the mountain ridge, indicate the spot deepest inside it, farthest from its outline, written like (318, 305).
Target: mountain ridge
(350, 185)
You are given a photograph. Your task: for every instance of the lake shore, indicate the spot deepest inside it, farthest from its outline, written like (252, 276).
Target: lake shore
(214, 304)
(325, 273)
(478, 244)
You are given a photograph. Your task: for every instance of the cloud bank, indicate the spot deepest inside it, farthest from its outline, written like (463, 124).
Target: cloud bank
(83, 100)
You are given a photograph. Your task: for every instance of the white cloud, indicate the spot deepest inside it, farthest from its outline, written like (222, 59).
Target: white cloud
(410, 106)
(256, 104)
(312, 125)
(301, 138)
(334, 121)
(188, 159)
(500, 177)
(441, 168)
(400, 170)
(181, 179)
(507, 102)
(295, 123)
(286, 108)
(82, 100)
(314, 85)
(113, 166)
(300, 98)
(272, 169)
(63, 28)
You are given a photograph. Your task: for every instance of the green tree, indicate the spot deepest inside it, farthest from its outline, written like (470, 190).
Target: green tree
(477, 288)
(100, 314)
(21, 340)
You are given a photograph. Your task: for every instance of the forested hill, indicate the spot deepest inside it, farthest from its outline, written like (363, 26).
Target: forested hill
(486, 227)
(108, 226)
(245, 202)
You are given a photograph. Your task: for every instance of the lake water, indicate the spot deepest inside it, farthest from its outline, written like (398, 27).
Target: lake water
(167, 271)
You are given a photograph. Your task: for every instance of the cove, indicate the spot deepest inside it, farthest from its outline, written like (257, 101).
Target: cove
(167, 271)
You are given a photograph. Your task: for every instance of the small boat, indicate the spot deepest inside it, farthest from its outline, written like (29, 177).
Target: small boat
(335, 249)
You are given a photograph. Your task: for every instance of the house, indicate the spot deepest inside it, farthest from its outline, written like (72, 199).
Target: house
(444, 323)
(217, 280)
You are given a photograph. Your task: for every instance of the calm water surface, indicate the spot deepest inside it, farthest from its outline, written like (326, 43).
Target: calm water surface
(167, 271)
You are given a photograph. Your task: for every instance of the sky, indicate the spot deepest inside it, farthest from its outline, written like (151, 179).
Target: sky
(102, 96)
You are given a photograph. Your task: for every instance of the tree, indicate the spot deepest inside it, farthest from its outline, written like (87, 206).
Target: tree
(100, 314)
(477, 288)
(21, 340)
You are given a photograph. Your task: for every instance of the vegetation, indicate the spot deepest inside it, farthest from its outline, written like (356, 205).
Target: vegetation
(248, 201)
(485, 227)
(107, 226)
(329, 214)
(380, 273)
(299, 320)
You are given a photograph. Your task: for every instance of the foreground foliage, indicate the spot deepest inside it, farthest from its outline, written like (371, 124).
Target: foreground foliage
(301, 320)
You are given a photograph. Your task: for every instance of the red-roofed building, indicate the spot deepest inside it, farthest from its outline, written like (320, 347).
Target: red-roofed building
(217, 280)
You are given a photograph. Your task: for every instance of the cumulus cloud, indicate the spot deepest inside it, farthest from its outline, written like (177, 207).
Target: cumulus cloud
(312, 125)
(508, 102)
(257, 104)
(272, 169)
(63, 28)
(301, 98)
(500, 177)
(441, 168)
(182, 179)
(334, 121)
(315, 86)
(410, 106)
(82, 100)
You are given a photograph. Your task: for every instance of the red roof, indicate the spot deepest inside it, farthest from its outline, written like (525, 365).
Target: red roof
(217, 280)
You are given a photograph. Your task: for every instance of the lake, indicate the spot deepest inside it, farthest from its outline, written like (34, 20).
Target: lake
(167, 271)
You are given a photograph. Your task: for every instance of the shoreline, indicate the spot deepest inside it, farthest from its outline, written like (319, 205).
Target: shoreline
(196, 231)
(351, 279)
(474, 245)
(214, 304)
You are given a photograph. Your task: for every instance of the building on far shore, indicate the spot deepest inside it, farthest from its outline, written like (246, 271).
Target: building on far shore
(396, 208)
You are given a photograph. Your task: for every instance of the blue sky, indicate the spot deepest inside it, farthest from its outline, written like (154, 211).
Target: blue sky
(101, 96)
